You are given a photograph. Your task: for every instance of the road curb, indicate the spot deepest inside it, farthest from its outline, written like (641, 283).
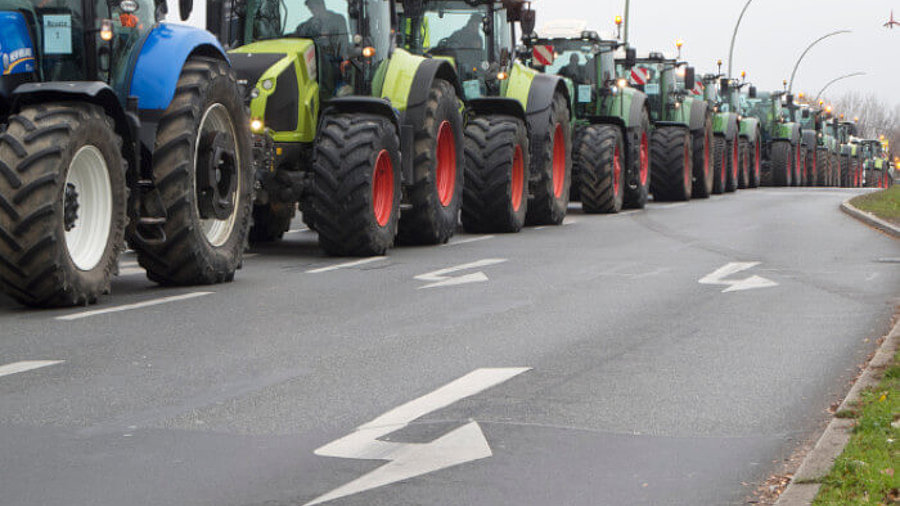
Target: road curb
(805, 483)
(870, 219)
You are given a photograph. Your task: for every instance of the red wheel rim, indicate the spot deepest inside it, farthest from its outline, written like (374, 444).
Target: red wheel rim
(687, 166)
(799, 169)
(645, 158)
(559, 161)
(706, 160)
(383, 188)
(446, 163)
(734, 162)
(617, 171)
(756, 163)
(518, 178)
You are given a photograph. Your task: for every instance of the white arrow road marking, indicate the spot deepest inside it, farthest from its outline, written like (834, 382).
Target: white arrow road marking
(408, 460)
(716, 278)
(26, 365)
(441, 279)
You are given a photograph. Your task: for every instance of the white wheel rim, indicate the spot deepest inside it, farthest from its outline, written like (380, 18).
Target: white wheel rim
(217, 119)
(87, 240)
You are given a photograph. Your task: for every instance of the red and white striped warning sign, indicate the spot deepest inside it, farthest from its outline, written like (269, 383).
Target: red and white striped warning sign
(640, 76)
(698, 88)
(543, 55)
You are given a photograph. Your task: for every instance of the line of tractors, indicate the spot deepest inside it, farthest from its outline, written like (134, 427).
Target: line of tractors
(383, 121)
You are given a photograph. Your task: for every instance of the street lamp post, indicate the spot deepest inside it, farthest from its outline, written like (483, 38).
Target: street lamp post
(797, 65)
(848, 76)
(734, 36)
(627, 20)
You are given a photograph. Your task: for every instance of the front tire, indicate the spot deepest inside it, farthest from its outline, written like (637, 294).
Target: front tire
(355, 202)
(672, 164)
(732, 164)
(437, 188)
(62, 204)
(551, 175)
(495, 196)
(203, 171)
(704, 174)
(637, 187)
(744, 164)
(755, 161)
(599, 154)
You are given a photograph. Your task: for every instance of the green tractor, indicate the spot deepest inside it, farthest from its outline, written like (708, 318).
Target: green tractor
(876, 167)
(346, 123)
(747, 173)
(681, 139)
(612, 137)
(809, 135)
(849, 156)
(782, 151)
(117, 127)
(518, 135)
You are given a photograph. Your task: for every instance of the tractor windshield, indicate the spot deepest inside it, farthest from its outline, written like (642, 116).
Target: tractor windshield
(476, 37)
(574, 59)
(335, 25)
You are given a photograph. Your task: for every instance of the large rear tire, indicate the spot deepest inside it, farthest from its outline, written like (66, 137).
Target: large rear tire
(599, 154)
(355, 202)
(801, 167)
(62, 204)
(755, 162)
(704, 173)
(846, 172)
(436, 191)
(637, 181)
(672, 166)
(203, 171)
(732, 164)
(495, 197)
(551, 175)
(782, 165)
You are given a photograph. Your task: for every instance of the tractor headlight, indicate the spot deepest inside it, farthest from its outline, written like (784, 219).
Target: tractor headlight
(257, 126)
(268, 84)
(622, 83)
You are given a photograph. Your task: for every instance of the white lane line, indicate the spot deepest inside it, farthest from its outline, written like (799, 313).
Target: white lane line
(346, 265)
(131, 271)
(569, 221)
(470, 240)
(128, 264)
(129, 307)
(538, 228)
(672, 206)
(250, 255)
(628, 213)
(297, 231)
(26, 365)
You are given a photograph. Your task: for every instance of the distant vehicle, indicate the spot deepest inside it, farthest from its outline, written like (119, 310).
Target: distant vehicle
(892, 22)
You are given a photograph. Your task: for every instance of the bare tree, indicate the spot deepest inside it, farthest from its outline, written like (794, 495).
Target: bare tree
(876, 117)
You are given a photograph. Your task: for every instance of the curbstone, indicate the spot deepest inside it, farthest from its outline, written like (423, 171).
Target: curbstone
(870, 219)
(819, 461)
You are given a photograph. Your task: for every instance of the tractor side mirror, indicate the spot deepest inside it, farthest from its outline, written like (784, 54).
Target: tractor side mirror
(528, 21)
(805, 113)
(689, 79)
(752, 92)
(630, 58)
(184, 9)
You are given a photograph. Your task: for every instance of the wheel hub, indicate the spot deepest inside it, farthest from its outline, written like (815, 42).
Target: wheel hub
(216, 176)
(70, 207)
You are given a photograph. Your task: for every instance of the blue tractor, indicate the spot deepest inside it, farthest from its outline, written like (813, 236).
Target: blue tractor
(116, 126)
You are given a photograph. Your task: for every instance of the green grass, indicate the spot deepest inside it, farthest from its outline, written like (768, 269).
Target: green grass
(885, 204)
(868, 471)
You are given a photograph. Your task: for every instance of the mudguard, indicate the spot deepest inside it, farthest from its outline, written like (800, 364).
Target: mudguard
(540, 99)
(497, 105)
(161, 59)
(699, 111)
(726, 123)
(750, 129)
(809, 138)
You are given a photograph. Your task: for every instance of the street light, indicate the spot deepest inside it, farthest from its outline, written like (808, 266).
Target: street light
(848, 76)
(797, 65)
(734, 36)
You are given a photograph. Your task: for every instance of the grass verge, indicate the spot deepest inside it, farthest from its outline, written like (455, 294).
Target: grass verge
(885, 204)
(868, 471)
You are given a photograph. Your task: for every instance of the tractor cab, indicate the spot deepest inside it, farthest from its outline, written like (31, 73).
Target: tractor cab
(657, 77)
(478, 37)
(70, 40)
(588, 62)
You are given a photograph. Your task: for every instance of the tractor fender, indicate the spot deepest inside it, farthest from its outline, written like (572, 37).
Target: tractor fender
(750, 129)
(540, 96)
(413, 117)
(127, 124)
(378, 107)
(699, 110)
(732, 129)
(163, 54)
(636, 111)
(497, 105)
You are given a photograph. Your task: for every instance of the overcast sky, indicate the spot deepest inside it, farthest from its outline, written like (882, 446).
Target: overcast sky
(772, 36)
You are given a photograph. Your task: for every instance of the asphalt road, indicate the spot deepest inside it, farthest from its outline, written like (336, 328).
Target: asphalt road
(637, 383)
